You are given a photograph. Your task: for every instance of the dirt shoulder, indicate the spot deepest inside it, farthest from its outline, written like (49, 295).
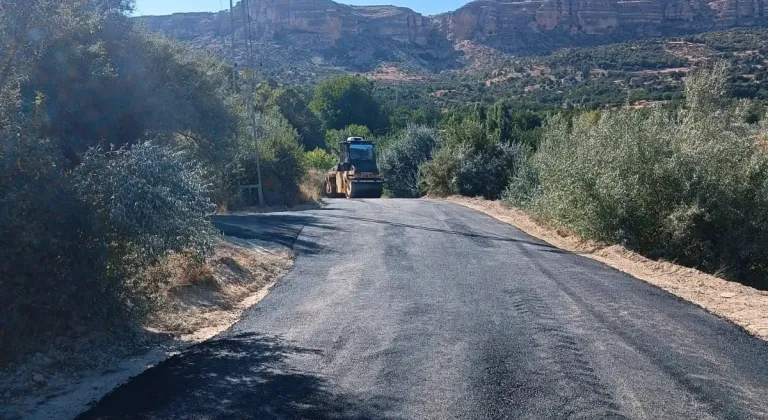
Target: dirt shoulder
(742, 305)
(197, 304)
(201, 303)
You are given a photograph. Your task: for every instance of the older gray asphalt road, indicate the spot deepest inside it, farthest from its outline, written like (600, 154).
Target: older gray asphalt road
(428, 310)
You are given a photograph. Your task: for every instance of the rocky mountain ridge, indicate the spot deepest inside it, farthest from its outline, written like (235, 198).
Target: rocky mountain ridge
(322, 35)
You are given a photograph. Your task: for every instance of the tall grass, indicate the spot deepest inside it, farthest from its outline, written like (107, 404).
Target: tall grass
(689, 185)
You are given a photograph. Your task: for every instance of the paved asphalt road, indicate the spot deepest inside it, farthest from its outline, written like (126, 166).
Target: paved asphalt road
(427, 310)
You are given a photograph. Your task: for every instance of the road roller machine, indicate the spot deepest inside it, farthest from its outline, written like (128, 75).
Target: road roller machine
(356, 175)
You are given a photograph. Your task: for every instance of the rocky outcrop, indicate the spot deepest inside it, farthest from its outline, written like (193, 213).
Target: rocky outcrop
(739, 12)
(334, 21)
(189, 26)
(484, 18)
(360, 38)
(487, 18)
(328, 21)
(590, 17)
(325, 20)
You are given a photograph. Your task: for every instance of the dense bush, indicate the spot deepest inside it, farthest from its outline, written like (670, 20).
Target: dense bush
(341, 101)
(147, 201)
(148, 198)
(473, 158)
(76, 246)
(524, 184)
(319, 159)
(79, 227)
(399, 161)
(689, 185)
(281, 160)
(486, 172)
(438, 176)
(313, 186)
(482, 172)
(50, 261)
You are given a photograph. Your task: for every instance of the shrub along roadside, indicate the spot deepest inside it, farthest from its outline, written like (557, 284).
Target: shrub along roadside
(147, 202)
(50, 263)
(87, 205)
(281, 160)
(689, 185)
(399, 161)
(470, 162)
(313, 187)
(319, 159)
(78, 244)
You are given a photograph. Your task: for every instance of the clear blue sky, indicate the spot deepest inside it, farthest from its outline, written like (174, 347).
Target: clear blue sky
(166, 7)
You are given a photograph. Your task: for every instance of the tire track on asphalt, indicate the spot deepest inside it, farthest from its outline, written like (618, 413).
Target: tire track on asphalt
(560, 361)
(621, 319)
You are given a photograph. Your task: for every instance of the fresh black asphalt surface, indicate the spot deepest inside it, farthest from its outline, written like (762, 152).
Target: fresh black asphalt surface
(421, 309)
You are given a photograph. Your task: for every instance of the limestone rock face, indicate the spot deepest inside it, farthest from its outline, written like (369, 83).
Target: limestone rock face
(329, 21)
(188, 26)
(326, 20)
(357, 37)
(739, 12)
(588, 16)
(479, 19)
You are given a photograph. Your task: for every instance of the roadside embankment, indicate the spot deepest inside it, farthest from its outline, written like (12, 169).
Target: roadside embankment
(197, 303)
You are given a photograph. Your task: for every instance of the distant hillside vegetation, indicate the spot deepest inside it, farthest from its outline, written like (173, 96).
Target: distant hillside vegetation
(636, 72)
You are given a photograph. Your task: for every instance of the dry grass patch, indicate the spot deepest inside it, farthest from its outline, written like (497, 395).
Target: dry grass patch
(202, 301)
(313, 187)
(742, 305)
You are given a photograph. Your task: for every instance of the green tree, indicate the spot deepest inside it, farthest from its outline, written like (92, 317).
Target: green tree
(319, 159)
(403, 116)
(498, 122)
(400, 118)
(341, 101)
(294, 108)
(399, 162)
(469, 132)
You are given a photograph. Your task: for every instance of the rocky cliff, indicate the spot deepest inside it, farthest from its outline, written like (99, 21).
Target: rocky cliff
(485, 19)
(336, 35)
(326, 21)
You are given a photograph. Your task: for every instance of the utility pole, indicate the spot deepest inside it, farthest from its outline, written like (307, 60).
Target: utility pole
(251, 110)
(234, 56)
(234, 79)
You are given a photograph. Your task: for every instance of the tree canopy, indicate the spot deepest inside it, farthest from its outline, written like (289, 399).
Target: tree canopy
(293, 106)
(341, 101)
